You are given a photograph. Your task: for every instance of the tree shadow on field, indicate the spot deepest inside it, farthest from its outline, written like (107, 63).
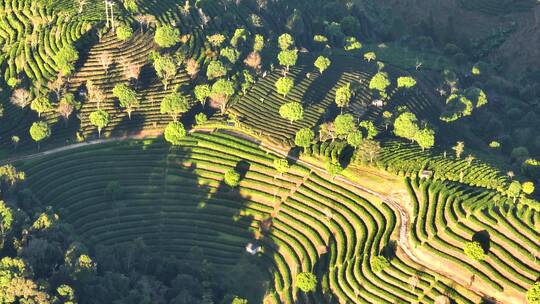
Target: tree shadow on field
(293, 155)
(483, 238)
(389, 251)
(322, 270)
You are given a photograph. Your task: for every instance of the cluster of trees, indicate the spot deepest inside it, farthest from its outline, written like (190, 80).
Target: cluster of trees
(407, 126)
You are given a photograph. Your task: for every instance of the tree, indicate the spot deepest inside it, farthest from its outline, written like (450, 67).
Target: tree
(474, 251)
(528, 187)
(284, 85)
(215, 69)
(202, 92)
(354, 139)
(288, 58)
(238, 300)
(425, 138)
(174, 104)
(232, 178)
(41, 105)
(200, 118)
(304, 138)
(253, 60)
(6, 220)
(351, 44)
(322, 63)
(231, 54)
(167, 36)
(221, 91)
(127, 97)
(216, 40)
(379, 82)
(379, 263)
(174, 132)
(459, 148)
(368, 150)
(65, 59)
(368, 129)
(99, 119)
(66, 106)
(281, 165)
(369, 56)
(533, 294)
(40, 131)
(344, 125)
(514, 190)
(124, 32)
(285, 41)
(292, 111)
(406, 82)
(343, 96)
(105, 59)
(192, 67)
(20, 98)
(95, 94)
(258, 43)
(406, 125)
(306, 281)
(333, 168)
(165, 68)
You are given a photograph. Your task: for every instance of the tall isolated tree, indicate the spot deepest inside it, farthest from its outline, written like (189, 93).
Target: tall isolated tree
(303, 138)
(344, 125)
(370, 56)
(281, 165)
(284, 85)
(222, 90)
(215, 69)
(100, 119)
(174, 132)
(343, 96)
(127, 98)
(231, 178)
(380, 82)
(21, 98)
(322, 63)
(253, 60)
(425, 138)
(474, 251)
(95, 94)
(167, 36)
(354, 139)
(231, 54)
(306, 282)
(174, 104)
(406, 82)
(40, 131)
(6, 221)
(165, 68)
(202, 92)
(65, 59)
(124, 32)
(41, 105)
(288, 58)
(285, 41)
(368, 129)
(406, 125)
(291, 111)
(258, 43)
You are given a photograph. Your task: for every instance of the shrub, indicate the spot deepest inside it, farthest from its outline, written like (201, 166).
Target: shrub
(379, 263)
(167, 36)
(124, 32)
(231, 178)
(174, 132)
(200, 118)
(474, 251)
(306, 281)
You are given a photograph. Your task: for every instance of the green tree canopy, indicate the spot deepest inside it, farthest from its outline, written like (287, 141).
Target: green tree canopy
(344, 125)
(322, 63)
(304, 138)
(474, 251)
(174, 104)
(292, 111)
(6, 221)
(425, 138)
(200, 118)
(166, 36)
(258, 44)
(406, 125)
(370, 56)
(288, 58)
(379, 263)
(202, 92)
(533, 294)
(406, 82)
(351, 44)
(284, 85)
(343, 95)
(174, 132)
(65, 59)
(232, 178)
(39, 131)
(379, 82)
(238, 300)
(127, 97)
(99, 119)
(281, 165)
(285, 41)
(306, 281)
(355, 138)
(230, 53)
(215, 69)
(528, 187)
(514, 190)
(221, 91)
(333, 168)
(368, 129)
(165, 68)
(41, 105)
(124, 32)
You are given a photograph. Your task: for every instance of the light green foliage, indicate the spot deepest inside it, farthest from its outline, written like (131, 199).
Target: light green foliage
(379, 82)
(425, 138)
(304, 138)
(459, 148)
(351, 44)
(41, 105)
(379, 263)
(406, 125)
(322, 63)
(343, 95)
(528, 187)
(66, 293)
(215, 69)
(10, 175)
(291, 111)
(247, 81)
(475, 71)
(216, 40)
(44, 221)
(127, 97)
(370, 56)
(457, 106)
(477, 96)
(202, 92)
(165, 68)
(238, 300)
(231, 54)
(99, 119)
(284, 85)
(232, 178)
(166, 36)
(288, 58)
(285, 41)
(514, 190)
(495, 145)
(406, 82)
(368, 129)
(355, 138)
(6, 221)
(533, 294)
(258, 43)
(240, 34)
(124, 32)
(281, 165)
(65, 59)
(344, 125)
(306, 281)
(333, 168)
(474, 251)
(131, 6)
(222, 87)
(174, 104)
(200, 118)
(39, 131)
(320, 39)
(174, 132)
(10, 268)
